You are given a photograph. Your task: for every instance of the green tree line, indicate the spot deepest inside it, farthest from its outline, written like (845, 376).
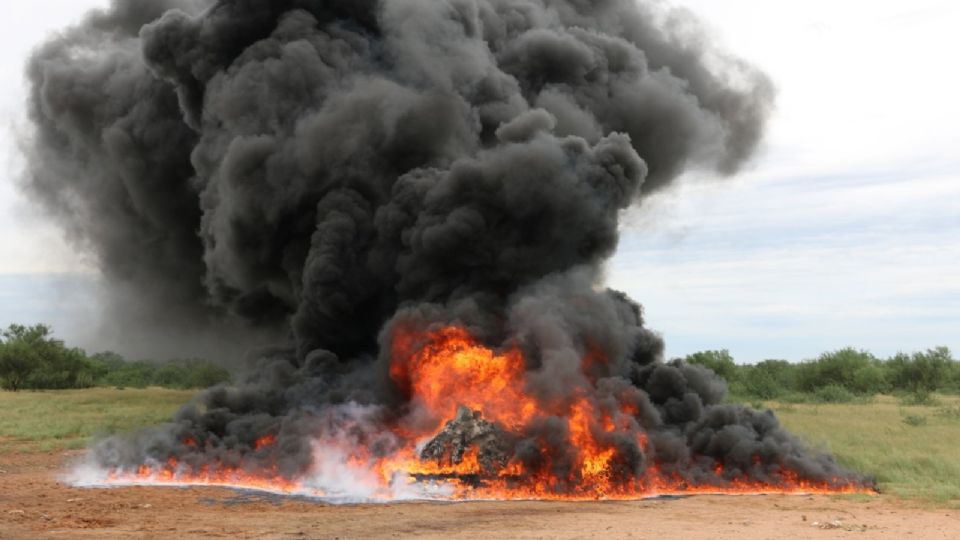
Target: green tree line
(836, 376)
(32, 359)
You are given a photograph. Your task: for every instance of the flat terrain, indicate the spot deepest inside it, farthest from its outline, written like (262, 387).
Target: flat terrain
(34, 505)
(911, 449)
(43, 421)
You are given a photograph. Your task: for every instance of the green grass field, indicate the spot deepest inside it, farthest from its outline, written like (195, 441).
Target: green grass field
(57, 420)
(914, 451)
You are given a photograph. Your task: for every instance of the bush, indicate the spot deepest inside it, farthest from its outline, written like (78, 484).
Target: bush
(920, 398)
(17, 362)
(171, 375)
(857, 372)
(190, 373)
(720, 362)
(870, 379)
(138, 374)
(770, 379)
(207, 374)
(61, 368)
(922, 372)
(952, 383)
(31, 359)
(103, 363)
(914, 420)
(833, 393)
(181, 374)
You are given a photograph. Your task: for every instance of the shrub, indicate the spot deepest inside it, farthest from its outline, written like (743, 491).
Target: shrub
(30, 358)
(921, 397)
(922, 372)
(856, 371)
(770, 379)
(182, 374)
(138, 374)
(190, 373)
(952, 383)
(833, 393)
(103, 363)
(205, 374)
(17, 362)
(914, 420)
(720, 362)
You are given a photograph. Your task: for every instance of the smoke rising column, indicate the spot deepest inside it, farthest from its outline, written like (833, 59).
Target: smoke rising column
(359, 179)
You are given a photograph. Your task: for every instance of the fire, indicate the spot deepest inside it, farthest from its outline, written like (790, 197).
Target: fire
(266, 440)
(598, 450)
(173, 473)
(453, 370)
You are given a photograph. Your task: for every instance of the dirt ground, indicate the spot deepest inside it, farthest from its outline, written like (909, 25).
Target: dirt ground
(33, 504)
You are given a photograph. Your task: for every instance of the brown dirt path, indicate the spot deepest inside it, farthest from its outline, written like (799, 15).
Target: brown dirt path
(34, 505)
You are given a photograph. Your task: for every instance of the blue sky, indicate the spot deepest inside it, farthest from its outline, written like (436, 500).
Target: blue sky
(844, 231)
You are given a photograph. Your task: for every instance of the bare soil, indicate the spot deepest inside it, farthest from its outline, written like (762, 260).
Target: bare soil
(34, 504)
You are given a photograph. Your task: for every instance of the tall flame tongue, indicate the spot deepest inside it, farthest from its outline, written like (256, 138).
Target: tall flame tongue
(498, 447)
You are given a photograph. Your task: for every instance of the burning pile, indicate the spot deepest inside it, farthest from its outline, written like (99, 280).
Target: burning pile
(414, 198)
(471, 429)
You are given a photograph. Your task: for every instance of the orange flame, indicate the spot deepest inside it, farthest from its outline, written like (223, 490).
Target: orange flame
(266, 440)
(442, 370)
(453, 370)
(173, 473)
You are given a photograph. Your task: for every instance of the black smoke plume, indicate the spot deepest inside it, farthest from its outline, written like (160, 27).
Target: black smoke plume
(329, 170)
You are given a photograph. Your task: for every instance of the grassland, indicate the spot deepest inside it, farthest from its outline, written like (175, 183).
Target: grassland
(57, 420)
(912, 450)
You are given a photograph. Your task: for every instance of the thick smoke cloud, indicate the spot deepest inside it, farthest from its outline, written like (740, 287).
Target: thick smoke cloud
(330, 160)
(335, 169)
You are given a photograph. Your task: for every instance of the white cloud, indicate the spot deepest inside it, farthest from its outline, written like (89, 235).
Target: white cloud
(847, 229)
